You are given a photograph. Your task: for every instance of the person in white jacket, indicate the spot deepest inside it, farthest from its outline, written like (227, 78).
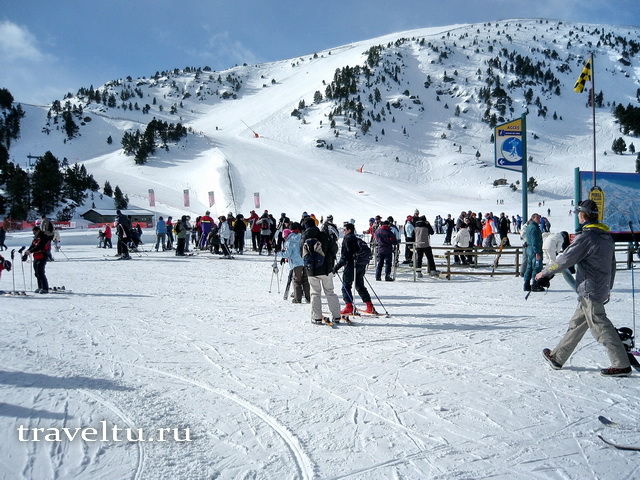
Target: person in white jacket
(462, 243)
(554, 244)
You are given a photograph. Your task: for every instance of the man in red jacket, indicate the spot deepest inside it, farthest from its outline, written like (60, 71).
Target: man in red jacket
(39, 248)
(252, 220)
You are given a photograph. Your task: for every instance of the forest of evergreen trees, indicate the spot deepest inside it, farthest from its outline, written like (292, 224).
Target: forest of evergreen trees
(144, 145)
(44, 188)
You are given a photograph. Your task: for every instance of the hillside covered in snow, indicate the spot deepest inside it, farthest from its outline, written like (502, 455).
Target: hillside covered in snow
(415, 109)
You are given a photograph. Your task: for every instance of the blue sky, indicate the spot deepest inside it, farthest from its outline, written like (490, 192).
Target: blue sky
(50, 47)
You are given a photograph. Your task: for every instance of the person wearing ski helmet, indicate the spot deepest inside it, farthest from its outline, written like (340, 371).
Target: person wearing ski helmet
(593, 251)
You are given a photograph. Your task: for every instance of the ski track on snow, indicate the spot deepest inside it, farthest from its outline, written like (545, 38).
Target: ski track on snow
(137, 474)
(304, 466)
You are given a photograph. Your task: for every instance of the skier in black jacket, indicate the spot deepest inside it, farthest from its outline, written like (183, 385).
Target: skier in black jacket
(353, 270)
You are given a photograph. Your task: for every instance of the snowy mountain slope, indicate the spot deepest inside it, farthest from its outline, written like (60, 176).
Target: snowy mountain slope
(452, 385)
(418, 151)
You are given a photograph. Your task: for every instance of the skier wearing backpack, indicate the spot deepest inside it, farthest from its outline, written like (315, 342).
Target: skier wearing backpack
(329, 227)
(355, 260)
(319, 275)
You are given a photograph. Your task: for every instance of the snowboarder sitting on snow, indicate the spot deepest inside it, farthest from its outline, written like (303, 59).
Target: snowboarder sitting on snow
(39, 248)
(353, 270)
(593, 251)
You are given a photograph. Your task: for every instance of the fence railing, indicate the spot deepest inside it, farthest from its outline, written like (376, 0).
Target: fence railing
(510, 262)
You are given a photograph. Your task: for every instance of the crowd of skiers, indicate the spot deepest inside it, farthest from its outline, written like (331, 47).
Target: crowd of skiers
(310, 246)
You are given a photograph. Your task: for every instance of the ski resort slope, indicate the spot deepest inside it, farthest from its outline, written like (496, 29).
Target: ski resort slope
(420, 155)
(451, 385)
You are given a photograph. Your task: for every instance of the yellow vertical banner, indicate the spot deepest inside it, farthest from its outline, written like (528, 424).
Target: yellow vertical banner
(597, 195)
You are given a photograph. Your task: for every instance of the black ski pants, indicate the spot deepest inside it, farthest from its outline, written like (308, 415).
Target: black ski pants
(356, 273)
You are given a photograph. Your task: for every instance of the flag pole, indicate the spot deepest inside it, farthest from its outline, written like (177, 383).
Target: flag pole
(593, 114)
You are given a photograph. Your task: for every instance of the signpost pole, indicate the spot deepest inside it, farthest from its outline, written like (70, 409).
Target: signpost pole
(525, 197)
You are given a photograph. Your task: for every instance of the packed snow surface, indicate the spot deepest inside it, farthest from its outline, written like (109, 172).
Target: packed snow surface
(451, 385)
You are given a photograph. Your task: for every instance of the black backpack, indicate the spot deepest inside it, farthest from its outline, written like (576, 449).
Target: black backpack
(312, 255)
(364, 254)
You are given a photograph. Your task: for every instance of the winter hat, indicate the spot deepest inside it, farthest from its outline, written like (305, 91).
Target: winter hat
(588, 207)
(409, 217)
(329, 218)
(285, 233)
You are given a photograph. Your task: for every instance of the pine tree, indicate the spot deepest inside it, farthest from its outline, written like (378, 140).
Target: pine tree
(17, 190)
(619, 146)
(107, 190)
(46, 184)
(120, 201)
(70, 127)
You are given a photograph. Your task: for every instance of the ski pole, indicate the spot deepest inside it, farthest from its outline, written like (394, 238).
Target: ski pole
(13, 270)
(24, 280)
(274, 271)
(380, 301)
(65, 255)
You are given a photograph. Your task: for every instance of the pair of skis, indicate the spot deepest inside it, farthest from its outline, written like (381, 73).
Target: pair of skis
(498, 255)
